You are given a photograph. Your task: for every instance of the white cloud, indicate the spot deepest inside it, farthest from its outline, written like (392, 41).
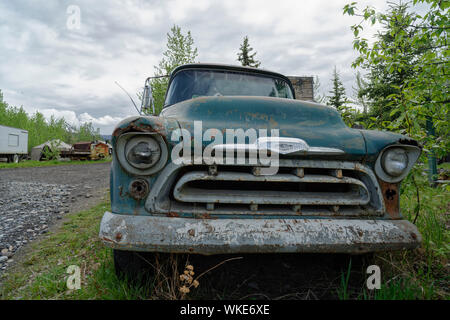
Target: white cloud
(102, 121)
(69, 116)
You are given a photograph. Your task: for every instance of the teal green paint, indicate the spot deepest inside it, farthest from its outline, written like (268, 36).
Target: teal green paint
(318, 125)
(376, 141)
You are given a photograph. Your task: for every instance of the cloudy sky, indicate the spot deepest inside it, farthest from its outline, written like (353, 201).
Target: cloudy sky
(50, 65)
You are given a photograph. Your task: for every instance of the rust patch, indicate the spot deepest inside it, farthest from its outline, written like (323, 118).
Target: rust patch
(205, 216)
(172, 214)
(391, 198)
(257, 116)
(136, 126)
(107, 239)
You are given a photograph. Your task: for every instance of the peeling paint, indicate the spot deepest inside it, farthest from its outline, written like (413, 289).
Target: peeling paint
(201, 236)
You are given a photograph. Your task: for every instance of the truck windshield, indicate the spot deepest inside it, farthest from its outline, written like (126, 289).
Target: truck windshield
(189, 84)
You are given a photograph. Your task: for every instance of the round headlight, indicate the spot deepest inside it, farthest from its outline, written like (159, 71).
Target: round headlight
(142, 152)
(394, 161)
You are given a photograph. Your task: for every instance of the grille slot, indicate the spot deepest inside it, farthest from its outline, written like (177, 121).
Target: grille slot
(281, 189)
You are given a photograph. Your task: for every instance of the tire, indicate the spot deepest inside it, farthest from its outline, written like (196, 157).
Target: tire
(133, 266)
(13, 158)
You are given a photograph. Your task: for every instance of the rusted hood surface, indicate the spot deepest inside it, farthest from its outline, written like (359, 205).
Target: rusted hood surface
(318, 125)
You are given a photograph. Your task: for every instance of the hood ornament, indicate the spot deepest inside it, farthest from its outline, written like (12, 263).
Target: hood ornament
(281, 145)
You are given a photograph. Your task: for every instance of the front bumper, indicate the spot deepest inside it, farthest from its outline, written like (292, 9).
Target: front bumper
(220, 236)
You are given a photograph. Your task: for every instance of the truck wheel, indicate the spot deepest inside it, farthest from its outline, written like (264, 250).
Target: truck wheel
(133, 266)
(14, 158)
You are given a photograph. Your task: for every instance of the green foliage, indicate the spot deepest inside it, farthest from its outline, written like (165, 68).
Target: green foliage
(401, 289)
(86, 132)
(52, 152)
(406, 83)
(339, 100)
(40, 130)
(343, 292)
(422, 273)
(180, 50)
(408, 69)
(337, 97)
(245, 57)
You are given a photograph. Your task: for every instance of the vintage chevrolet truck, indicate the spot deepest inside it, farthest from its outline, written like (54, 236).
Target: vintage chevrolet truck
(333, 189)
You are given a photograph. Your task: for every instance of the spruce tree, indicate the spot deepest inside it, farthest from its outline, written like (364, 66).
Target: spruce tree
(245, 57)
(337, 98)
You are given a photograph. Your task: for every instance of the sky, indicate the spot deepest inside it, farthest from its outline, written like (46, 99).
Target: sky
(57, 64)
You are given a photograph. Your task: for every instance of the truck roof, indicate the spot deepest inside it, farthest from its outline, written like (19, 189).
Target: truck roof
(219, 66)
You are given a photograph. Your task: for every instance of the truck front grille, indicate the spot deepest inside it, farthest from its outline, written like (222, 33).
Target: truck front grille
(311, 188)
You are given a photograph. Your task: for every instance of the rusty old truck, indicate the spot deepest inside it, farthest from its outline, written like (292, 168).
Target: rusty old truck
(235, 164)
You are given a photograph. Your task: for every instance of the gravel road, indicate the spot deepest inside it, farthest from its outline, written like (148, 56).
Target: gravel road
(33, 199)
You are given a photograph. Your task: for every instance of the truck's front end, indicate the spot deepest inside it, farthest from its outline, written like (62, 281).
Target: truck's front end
(333, 189)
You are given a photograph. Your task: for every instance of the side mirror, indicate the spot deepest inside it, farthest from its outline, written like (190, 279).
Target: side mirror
(148, 104)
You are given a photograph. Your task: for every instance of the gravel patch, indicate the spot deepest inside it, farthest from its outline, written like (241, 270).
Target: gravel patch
(32, 200)
(26, 211)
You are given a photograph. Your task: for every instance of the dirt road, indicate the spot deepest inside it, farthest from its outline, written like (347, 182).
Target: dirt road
(32, 200)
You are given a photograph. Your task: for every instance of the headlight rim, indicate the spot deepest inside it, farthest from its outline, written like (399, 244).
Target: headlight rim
(122, 142)
(412, 153)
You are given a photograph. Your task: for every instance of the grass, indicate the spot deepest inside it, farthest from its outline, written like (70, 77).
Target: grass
(41, 273)
(422, 273)
(343, 292)
(34, 163)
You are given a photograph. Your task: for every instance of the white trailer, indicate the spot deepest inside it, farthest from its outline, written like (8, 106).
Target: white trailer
(13, 143)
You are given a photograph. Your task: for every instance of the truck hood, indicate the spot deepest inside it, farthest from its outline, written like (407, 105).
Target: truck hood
(318, 125)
